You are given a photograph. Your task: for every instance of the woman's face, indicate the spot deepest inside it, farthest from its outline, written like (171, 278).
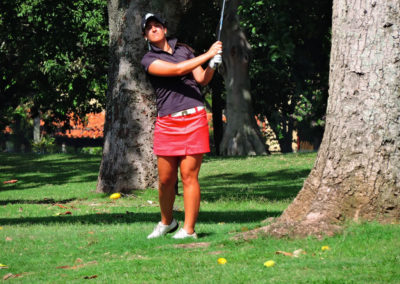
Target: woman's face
(154, 31)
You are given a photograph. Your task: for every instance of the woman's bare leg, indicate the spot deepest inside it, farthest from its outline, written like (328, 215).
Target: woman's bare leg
(190, 168)
(167, 173)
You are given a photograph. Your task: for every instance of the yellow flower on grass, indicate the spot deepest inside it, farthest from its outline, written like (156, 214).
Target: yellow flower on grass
(269, 263)
(115, 195)
(324, 248)
(222, 260)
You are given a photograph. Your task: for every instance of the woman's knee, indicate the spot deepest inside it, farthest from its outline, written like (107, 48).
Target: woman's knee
(190, 168)
(189, 177)
(167, 170)
(167, 180)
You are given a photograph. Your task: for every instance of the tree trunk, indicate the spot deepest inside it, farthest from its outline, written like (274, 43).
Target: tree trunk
(286, 142)
(242, 136)
(36, 128)
(128, 161)
(357, 172)
(217, 106)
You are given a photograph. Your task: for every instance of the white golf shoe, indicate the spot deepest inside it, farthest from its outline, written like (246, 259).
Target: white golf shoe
(182, 234)
(161, 229)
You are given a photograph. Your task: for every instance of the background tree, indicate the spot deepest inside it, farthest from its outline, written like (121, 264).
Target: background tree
(289, 64)
(290, 44)
(197, 27)
(357, 172)
(242, 136)
(128, 161)
(53, 58)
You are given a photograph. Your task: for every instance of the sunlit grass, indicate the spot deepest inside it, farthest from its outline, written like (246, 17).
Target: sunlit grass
(106, 239)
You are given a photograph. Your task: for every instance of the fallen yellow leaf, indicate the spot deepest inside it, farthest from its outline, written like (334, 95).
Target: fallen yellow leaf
(115, 195)
(222, 260)
(3, 266)
(269, 263)
(324, 248)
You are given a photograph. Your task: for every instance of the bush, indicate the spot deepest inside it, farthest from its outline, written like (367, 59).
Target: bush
(44, 145)
(92, 150)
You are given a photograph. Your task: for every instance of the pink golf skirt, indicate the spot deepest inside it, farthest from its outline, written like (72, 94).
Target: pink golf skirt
(182, 135)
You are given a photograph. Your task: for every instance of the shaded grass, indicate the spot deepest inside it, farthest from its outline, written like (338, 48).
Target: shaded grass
(107, 238)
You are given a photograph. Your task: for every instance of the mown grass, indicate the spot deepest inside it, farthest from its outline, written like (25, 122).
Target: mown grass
(106, 239)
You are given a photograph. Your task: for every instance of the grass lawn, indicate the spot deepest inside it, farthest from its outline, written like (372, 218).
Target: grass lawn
(54, 228)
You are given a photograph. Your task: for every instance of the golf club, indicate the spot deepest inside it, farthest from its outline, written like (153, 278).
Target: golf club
(221, 20)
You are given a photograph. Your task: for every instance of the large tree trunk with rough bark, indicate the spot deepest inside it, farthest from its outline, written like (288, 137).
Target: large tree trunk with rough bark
(357, 172)
(128, 161)
(242, 136)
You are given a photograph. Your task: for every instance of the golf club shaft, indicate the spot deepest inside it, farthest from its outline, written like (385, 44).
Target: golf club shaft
(221, 21)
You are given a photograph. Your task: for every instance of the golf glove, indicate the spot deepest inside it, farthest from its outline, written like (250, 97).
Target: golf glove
(215, 61)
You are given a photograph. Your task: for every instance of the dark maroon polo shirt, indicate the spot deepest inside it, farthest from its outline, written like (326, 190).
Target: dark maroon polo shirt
(173, 93)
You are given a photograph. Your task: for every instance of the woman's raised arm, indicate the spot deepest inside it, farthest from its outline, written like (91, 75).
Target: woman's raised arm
(168, 69)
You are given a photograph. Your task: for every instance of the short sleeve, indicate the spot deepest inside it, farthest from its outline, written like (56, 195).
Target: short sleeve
(147, 59)
(191, 55)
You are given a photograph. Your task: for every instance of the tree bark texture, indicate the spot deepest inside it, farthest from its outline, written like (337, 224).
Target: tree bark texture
(128, 161)
(36, 128)
(242, 135)
(357, 172)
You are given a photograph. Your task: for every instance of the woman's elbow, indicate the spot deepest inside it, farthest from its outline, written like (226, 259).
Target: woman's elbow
(202, 82)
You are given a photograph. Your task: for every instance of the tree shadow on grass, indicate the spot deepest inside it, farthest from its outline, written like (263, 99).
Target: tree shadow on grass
(33, 170)
(278, 185)
(42, 201)
(131, 217)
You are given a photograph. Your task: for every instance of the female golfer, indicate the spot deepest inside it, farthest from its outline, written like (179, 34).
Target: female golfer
(181, 132)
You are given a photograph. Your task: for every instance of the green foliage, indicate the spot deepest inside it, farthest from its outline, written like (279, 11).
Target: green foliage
(53, 55)
(20, 125)
(46, 144)
(92, 150)
(290, 53)
(107, 238)
(290, 42)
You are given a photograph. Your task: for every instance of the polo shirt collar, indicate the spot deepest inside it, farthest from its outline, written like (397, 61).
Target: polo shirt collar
(172, 43)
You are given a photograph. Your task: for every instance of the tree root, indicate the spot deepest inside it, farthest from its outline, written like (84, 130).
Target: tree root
(284, 229)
